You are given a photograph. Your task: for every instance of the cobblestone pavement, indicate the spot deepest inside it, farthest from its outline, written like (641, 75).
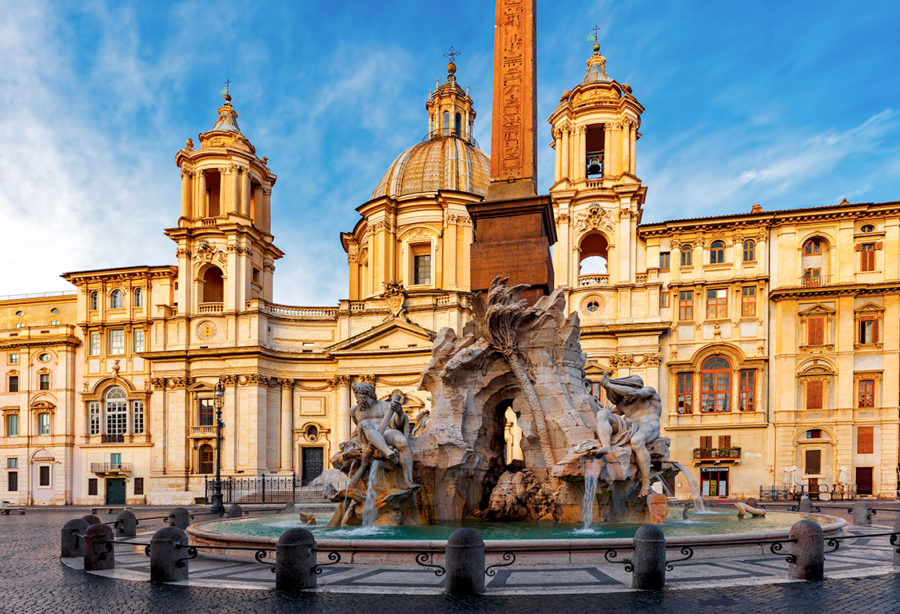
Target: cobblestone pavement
(33, 580)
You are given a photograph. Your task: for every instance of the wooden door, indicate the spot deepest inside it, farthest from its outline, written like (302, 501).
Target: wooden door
(864, 480)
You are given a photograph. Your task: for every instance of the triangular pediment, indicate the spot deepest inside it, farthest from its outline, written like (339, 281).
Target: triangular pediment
(817, 310)
(391, 337)
(869, 308)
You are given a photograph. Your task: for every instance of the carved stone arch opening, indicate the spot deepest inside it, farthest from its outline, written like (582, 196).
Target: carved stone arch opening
(593, 254)
(212, 284)
(815, 265)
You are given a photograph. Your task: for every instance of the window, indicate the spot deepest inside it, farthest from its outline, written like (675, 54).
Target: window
(422, 269)
(92, 486)
(724, 441)
(717, 252)
(138, 486)
(663, 261)
(44, 475)
(94, 418)
(686, 305)
(814, 434)
(868, 330)
(116, 412)
(20, 313)
(748, 390)
(748, 301)
(207, 407)
(593, 306)
(206, 459)
(685, 402)
(137, 417)
(812, 277)
(706, 442)
(115, 459)
(138, 297)
(446, 124)
(715, 384)
(12, 425)
(54, 322)
(19, 325)
(117, 341)
(457, 128)
(866, 393)
(12, 463)
(717, 304)
(95, 301)
(686, 256)
(44, 424)
(95, 344)
(12, 481)
(749, 250)
(865, 439)
(14, 358)
(813, 247)
(44, 381)
(139, 340)
(44, 357)
(13, 384)
(815, 330)
(866, 257)
(867, 228)
(814, 394)
(255, 275)
(115, 299)
(813, 462)
(663, 299)
(54, 311)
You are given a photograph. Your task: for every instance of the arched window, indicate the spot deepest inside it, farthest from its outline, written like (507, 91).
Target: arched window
(138, 297)
(457, 130)
(715, 376)
(95, 301)
(115, 299)
(749, 250)
(813, 247)
(446, 126)
(116, 411)
(212, 285)
(717, 252)
(206, 459)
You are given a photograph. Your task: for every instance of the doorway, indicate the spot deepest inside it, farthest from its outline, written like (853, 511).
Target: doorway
(864, 480)
(312, 463)
(714, 482)
(115, 491)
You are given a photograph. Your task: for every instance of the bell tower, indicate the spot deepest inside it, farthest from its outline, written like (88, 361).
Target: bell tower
(597, 196)
(225, 251)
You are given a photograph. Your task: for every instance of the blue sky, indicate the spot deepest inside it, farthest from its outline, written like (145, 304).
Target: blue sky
(787, 104)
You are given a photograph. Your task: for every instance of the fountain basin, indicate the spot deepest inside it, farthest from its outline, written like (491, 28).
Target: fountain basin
(535, 543)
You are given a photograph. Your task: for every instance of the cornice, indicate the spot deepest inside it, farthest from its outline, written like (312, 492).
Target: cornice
(854, 289)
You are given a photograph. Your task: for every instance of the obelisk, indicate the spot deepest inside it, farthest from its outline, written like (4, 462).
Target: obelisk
(513, 226)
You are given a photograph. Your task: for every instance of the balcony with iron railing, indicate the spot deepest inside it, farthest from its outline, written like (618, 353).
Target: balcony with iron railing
(723, 454)
(814, 281)
(110, 468)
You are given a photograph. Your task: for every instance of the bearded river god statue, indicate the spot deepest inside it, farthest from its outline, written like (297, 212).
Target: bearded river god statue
(527, 359)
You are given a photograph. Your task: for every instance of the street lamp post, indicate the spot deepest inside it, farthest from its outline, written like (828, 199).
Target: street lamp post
(217, 506)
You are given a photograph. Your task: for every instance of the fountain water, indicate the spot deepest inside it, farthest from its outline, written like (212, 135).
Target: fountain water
(369, 511)
(591, 476)
(695, 492)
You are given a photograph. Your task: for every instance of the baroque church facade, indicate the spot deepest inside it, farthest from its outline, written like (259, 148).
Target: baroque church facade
(768, 334)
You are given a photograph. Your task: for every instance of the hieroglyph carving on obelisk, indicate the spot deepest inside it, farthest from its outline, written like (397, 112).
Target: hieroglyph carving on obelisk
(513, 145)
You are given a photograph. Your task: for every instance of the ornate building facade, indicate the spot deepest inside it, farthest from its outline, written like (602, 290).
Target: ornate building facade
(771, 336)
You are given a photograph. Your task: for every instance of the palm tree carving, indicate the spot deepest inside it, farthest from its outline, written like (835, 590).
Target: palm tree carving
(500, 316)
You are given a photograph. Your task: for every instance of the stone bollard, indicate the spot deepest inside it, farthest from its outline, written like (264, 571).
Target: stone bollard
(71, 543)
(808, 551)
(862, 513)
(233, 510)
(168, 555)
(649, 559)
(126, 524)
(179, 517)
(896, 546)
(464, 561)
(804, 505)
(99, 552)
(295, 560)
(90, 519)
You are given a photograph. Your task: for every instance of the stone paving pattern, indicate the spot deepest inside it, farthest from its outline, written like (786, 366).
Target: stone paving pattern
(33, 580)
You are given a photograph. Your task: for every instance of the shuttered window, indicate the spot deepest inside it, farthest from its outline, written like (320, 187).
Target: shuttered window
(813, 461)
(816, 331)
(814, 395)
(865, 439)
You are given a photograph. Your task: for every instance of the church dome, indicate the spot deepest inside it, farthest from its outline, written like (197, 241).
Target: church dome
(439, 163)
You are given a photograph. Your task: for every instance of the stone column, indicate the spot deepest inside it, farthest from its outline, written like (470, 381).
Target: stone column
(557, 149)
(245, 192)
(234, 200)
(342, 431)
(626, 147)
(451, 271)
(607, 149)
(200, 202)
(287, 424)
(259, 215)
(186, 186)
(267, 208)
(566, 137)
(632, 137)
(580, 153)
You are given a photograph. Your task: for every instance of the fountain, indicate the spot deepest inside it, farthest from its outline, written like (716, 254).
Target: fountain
(582, 460)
